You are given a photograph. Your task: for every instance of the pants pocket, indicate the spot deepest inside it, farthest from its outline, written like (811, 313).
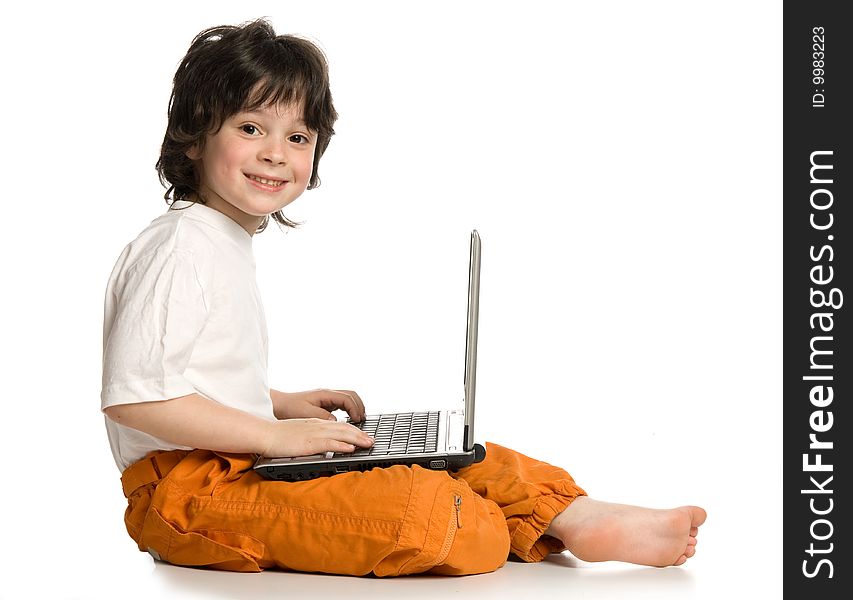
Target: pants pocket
(477, 538)
(225, 550)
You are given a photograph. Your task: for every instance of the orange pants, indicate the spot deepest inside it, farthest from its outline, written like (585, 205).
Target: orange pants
(203, 508)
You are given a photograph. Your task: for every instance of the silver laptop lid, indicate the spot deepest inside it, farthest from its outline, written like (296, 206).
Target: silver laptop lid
(471, 338)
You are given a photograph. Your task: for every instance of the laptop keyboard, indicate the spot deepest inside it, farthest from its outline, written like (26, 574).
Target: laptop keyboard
(399, 433)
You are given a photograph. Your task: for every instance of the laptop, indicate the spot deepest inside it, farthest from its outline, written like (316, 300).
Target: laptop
(438, 439)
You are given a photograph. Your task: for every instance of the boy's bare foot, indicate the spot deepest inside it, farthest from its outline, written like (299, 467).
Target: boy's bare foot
(596, 531)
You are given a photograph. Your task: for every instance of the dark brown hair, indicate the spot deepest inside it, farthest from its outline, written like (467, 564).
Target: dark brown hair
(229, 69)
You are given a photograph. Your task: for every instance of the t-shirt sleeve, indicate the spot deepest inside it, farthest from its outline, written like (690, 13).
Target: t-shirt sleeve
(157, 310)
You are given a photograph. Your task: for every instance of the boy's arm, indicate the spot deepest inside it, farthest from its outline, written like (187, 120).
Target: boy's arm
(198, 422)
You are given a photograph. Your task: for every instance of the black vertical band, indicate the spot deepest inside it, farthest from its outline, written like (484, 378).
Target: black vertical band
(818, 372)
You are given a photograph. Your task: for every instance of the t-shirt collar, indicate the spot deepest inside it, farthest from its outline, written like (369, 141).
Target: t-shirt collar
(216, 219)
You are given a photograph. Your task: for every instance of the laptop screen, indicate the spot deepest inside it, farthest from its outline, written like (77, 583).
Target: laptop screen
(471, 338)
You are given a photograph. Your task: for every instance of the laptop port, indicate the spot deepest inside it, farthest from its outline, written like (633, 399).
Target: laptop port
(341, 469)
(438, 464)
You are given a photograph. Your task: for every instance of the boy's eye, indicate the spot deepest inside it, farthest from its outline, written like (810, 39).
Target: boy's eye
(298, 138)
(249, 129)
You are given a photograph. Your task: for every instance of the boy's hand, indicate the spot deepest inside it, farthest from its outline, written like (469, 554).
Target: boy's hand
(318, 404)
(301, 437)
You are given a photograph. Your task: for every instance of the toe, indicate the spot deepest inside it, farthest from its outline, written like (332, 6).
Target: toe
(698, 515)
(681, 560)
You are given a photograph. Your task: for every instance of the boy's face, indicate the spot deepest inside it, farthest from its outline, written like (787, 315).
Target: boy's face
(257, 163)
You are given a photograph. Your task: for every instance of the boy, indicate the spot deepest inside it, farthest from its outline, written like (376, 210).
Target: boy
(185, 388)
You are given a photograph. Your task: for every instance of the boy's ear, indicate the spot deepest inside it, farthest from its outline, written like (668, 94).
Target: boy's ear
(194, 153)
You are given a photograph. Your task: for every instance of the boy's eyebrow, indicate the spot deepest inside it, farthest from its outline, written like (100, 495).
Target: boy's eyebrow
(263, 113)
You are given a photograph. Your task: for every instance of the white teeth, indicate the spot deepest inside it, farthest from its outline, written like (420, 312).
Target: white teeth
(265, 181)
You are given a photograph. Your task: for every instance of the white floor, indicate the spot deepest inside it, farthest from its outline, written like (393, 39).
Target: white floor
(560, 576)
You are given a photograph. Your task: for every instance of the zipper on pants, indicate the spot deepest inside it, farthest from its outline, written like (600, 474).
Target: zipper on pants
(451, 530)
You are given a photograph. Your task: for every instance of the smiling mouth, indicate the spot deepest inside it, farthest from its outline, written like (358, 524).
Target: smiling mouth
(267, 182)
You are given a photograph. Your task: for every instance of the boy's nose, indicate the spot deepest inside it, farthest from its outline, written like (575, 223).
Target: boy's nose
(273, 152)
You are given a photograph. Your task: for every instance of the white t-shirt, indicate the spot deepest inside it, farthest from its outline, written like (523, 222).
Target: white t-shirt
(182, 314)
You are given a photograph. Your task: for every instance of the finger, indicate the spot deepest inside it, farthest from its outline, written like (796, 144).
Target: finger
(318, 412)
(353, 405)
(338, 446)
(345, 432)
(358, 402)
(343, 399)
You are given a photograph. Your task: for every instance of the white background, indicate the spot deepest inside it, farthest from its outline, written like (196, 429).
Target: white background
(622, 162)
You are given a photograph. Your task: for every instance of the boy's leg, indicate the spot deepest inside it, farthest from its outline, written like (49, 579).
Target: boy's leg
(210, 509)
(530, 494)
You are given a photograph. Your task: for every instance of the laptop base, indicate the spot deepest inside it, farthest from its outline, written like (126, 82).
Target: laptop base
(451, 462)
